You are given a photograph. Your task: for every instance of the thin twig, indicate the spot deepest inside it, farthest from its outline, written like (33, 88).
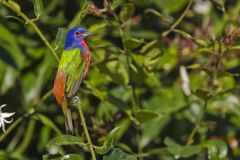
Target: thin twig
(46, 95)
(79, 107)
(10, 128)
(197, 124)
(156, 151)
(179, 19)
(135, 99)
(33, 25)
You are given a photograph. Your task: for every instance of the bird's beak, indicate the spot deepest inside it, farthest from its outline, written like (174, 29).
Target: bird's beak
(86, 34)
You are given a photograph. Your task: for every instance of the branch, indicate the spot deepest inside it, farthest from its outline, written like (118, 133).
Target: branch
(199, 120)
(79, 107)
(32, 24)
(179, 20)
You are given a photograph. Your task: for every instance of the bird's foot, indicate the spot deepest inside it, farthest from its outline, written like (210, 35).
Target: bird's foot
(76, 100)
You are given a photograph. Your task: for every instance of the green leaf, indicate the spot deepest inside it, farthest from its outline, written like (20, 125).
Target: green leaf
(143, 33)
(72, 157)
(44, 136)
(171, 99)
(124, 124)
(99, 55)
(116, 71)
(65, 157)
(108, 142)
(60, 37)
(127, 12)
(139, 59)
(118, 102)
(152, 58)
(29, 89)
(65, 140)
(118, 154)
(144, 115)
(106, 111)
(38, 7)
(6, 155)
(33, 80)
(219, 4)
(116, 3)
(151, 129)
(184, 34)
(11, 48)
(97, 27)
(181, 151)
(217, 149)
(200, 42)
(168, 7)
(156, 13)
(132, 43)
(100, 94)
(48, 122)
(201, 94)
(149, 45)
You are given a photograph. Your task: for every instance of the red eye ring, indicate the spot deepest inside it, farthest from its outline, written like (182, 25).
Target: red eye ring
(77, 34)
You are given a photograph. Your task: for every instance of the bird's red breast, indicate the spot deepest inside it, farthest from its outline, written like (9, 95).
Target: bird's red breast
(87, 57)
(59, 86)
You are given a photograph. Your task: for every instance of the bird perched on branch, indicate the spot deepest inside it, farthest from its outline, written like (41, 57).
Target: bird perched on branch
(72, 69)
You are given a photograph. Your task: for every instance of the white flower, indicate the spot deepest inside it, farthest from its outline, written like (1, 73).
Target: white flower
(3, 117)
(185, 81)
(202, 7)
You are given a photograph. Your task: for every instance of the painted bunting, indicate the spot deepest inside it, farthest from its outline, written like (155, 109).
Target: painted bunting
(72, 69)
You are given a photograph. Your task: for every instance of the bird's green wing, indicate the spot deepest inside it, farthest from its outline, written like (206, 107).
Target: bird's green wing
(72, 63)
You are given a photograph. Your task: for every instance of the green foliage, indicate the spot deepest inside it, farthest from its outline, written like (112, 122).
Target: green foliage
(108, 142)
(137, 104)
(46, 121)
(65, 140)
(132, 43)
(217, 149)
(127, 12)
(143, 115)
(38, 7)
(118, 154)
(60, 38)
(181, 151)
(67, 157)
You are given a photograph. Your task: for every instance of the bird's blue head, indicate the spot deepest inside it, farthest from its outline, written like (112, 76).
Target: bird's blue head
(75, 37)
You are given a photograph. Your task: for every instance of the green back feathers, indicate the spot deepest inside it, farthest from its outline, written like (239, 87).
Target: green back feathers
(72, 63)
(69, 60)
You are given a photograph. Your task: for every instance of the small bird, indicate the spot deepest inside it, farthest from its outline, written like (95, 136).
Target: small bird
(72, 69)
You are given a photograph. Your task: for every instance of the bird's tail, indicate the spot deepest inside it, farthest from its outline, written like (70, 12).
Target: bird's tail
(68, 117)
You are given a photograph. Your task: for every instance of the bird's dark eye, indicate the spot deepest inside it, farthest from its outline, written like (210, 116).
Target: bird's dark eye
(77, 34)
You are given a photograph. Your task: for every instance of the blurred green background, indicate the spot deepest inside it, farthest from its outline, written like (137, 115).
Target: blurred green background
(165, 72)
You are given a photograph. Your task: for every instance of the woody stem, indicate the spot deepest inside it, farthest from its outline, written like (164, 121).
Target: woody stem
(33, 25)
(79, 107)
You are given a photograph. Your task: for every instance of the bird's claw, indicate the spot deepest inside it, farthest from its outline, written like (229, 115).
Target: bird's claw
(76, 100)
